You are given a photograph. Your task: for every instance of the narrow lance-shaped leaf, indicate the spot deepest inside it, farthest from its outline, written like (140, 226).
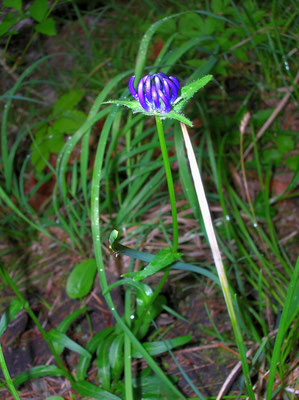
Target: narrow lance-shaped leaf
(132, 104)
(67, 321)
(90, 390)
(91, 347)
(61, 341)
(189, 90)
(155, 348)
(37, 372)
(162, 259)
(144, 291)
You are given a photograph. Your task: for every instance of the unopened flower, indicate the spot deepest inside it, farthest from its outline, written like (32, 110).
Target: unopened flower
(157, 96)
(155, 92)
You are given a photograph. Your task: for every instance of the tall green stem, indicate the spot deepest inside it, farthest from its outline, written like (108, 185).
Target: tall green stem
(160, 130)
(7, 376)
(14, 287)
(129, 395)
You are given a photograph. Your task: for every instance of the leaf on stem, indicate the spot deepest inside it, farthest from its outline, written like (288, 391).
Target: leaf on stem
(159, 347)
(189, 90)
(162, 259)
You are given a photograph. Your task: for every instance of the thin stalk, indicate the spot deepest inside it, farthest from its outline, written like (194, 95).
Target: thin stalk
(175, 238)
(19, 295)
(127, 343)
(7, 375)
(159, 286)
(203, 204)
(128, 369)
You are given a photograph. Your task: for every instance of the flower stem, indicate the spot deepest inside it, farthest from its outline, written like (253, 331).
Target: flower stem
(204, 207)
(175, 239)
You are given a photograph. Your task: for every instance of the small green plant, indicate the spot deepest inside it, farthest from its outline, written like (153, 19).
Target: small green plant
(50, 137)
(15, 12)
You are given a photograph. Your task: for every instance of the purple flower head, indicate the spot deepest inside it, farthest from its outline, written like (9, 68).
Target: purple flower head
(155, 92)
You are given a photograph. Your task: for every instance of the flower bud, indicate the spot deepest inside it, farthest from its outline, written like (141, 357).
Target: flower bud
(155, 92)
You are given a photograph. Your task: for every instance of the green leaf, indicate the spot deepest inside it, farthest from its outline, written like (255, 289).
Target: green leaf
(9, 20)
(103, 362)
(285, 143)
(132, 104)
(38, 10)
(271, 156)
(262, 115)
(54, 141)
(4, 27)
(293, 163)
(47, 27)
(67, 321)
(90, 390)
(168, 27)
(188, 91)
(46, 141)
(151, 313)
(209, 26)
(69, 122)
(81, 279)
(113, 237)
(162, 259)
(190, 25)
(147, 257)
(241, 54)
(37, 372)
(217, 6)
(40, 153)
(155, 348)
(144, 291)
(150, 386)
(174, 114)
(91, 347)
(63, 341)
(54, 398)
(15, 4)
(9, 314)
(41, 133)
(116, 357)
(68, 101)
